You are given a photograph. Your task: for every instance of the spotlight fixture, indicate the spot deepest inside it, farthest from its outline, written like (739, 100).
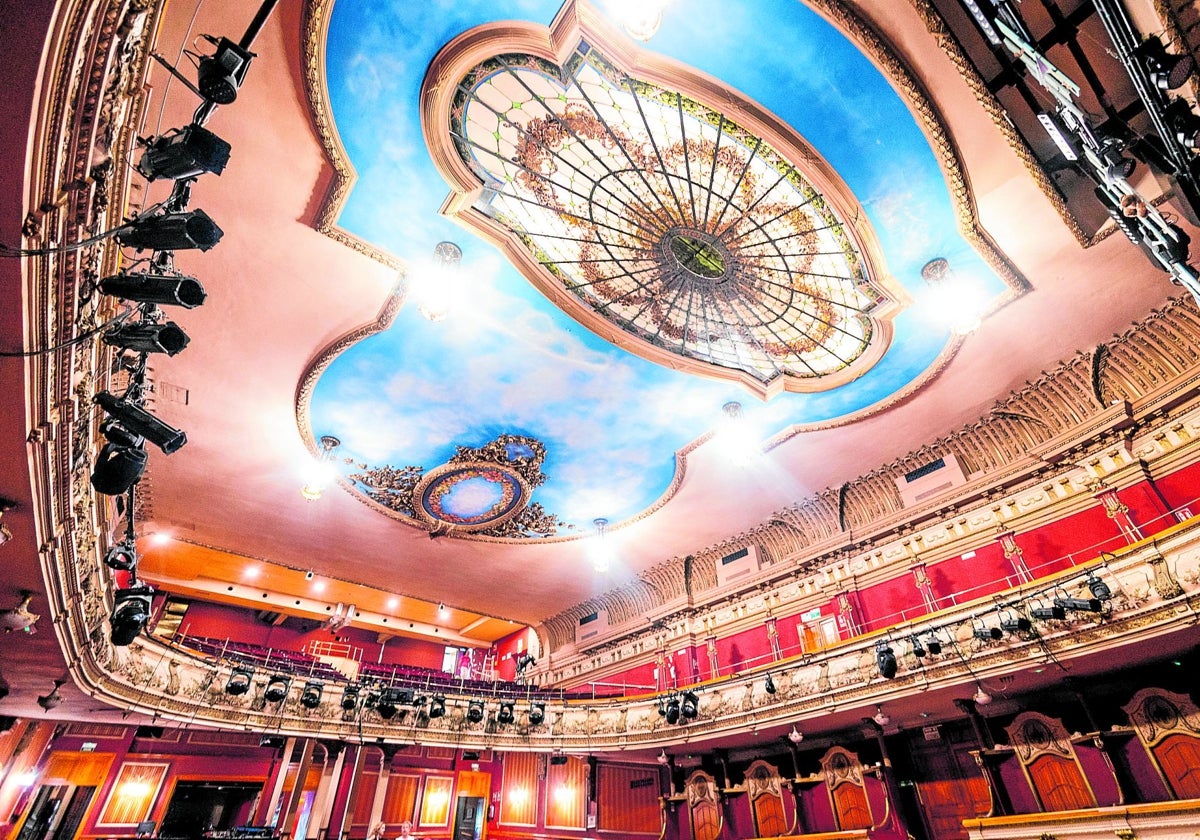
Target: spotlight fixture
(183, 153)
(475, 711)
(1166, 71)
(275, 742)
(171, 232)
(277, 688)
(769, 685)
(309, 575)
(1079, 604)
(165, 289)
(662, 757)
(387, 705)
(219, 75)
(689, 707)
(239, 681)
(988, 634)
(1016, 624)
(1048, 613)
(310, 697)
(671, 710)
(136, 420)
(120, 463)
(148, 337)
(795, 736)
(122, 557)
(981, 697)
(131, 611)
(918, 649)
(350, 698)
(1116, 165)
(537, 714)
(881, 717)
(934, 646)
(1098, 587)
(1184, 124)
(885, 660)
(505, 714)
(437, 706)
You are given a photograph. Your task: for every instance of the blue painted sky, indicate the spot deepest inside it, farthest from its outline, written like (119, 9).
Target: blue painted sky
(510, 361)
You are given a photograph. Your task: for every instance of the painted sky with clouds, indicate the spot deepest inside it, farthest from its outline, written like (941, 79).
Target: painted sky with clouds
(511, 362)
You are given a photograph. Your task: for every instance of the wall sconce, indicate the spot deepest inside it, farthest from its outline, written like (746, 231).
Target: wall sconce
(322, 471)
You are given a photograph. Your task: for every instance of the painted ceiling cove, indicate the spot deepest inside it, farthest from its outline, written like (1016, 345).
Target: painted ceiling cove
(414, 406)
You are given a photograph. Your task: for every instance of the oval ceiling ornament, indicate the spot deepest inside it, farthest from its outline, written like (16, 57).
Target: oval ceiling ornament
(660, 208)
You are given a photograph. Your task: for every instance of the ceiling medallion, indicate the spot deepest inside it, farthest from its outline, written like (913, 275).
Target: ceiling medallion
(480, 490)
(714, 245)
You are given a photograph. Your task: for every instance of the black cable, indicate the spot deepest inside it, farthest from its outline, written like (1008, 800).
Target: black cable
(25, 354)
(10, 251)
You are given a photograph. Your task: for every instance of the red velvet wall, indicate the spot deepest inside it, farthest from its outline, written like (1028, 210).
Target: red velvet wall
(1181, 487)
(740, 652)
(890, 602)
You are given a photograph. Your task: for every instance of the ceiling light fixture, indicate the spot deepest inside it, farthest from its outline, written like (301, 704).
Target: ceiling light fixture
(795, 736)
(640, 19)
(322, 471)
(881, 717)
(735, 436)
(981, 697)
(957, 302)
(601, 548)
(439, 287)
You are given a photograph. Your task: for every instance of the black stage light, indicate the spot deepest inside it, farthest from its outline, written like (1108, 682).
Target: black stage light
(769, 685)
(1166, 71)
(690, 705)
(404, 697)
(918, 649)
(505, 714)
(885, 660)
(277, 688)
(1098, 587)
(275, 742)
(131, 611)
(1019, 624)
(171, 232)
(239, 681)
(387, 706)
(662, 707)
(310, 697)
(672, 710)
(350, 698)
(120, 463)
(437, 706)
(219, 75)
(475, 711)
(165, 289)
(148, 337)
(135, 419)
(122, 557)
(934, 646)
(1048, 613)
(537, 714)
(1079, 604)
(988, 634)
(1116, 165)
(183, 153)
(1184, 124)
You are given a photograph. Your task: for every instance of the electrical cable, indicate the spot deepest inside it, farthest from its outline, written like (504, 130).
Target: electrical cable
(26, 354)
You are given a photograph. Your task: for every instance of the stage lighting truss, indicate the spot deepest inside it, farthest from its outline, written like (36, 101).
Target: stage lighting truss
(131, 611)
(277, 688)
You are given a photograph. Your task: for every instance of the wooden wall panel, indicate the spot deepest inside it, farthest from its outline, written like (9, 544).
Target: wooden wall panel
(86, 769)
(1179, 757)
(769, 819)
(627, 799)
(474, 783)
(436, 799)
(364, 798)
(400, 799)
(566, 794)
(851, 807)
(133, 793)
(518, 797)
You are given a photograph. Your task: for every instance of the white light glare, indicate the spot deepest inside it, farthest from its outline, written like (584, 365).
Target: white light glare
(437, 286)
(601, 550)
(735, 436)
(639, 18)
